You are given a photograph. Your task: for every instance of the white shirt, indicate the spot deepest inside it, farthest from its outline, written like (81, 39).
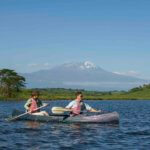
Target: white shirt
(83, 105)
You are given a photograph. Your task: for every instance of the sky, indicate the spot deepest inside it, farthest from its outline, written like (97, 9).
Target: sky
(40, 34)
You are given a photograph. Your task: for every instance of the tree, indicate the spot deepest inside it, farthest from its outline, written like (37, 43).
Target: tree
(10, 82)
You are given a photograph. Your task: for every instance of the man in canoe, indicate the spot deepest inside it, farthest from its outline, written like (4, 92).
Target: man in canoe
(34, 103)
(77, 105)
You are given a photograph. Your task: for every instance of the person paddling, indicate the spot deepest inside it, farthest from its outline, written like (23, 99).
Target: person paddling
(78, 105)
(33, 103)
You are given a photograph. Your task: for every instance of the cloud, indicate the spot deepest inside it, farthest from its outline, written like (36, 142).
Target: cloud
(129, 73)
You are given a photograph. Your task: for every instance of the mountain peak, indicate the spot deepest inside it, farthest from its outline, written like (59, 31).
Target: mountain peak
(88, 65)
(84, 75)
(81, 65)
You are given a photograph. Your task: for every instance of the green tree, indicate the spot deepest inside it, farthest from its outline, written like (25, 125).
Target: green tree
(10, 82)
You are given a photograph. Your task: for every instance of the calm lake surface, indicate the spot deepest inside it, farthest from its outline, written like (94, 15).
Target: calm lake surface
(133, 132)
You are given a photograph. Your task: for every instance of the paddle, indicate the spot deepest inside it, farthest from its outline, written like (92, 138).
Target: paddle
(16, 117)
(60, 110)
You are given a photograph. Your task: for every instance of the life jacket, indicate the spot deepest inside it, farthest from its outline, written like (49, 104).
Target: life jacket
(33, 106)
(76, 109)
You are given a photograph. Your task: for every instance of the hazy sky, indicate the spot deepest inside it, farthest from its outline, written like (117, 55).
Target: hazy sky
(39, 34)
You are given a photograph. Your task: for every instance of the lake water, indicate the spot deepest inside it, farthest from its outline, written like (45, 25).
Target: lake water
(133, 132)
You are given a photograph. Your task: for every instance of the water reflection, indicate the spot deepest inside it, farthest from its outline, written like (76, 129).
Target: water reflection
(33, 124)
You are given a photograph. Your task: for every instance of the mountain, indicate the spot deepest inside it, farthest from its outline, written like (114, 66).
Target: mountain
(83, 75)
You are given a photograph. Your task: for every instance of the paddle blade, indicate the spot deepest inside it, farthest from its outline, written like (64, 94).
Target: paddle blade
(60, 110)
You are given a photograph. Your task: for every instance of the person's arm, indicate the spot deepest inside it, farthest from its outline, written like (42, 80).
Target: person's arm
(40, 103)
(44, 104)
(89, 108)
(94, 110)
(69, 106)
(27, 104)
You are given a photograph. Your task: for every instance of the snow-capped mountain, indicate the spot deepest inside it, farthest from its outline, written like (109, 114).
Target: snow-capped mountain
(85, 75)
(80, 65)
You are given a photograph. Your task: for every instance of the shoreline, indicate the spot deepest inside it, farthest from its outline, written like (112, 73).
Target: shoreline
(142, 93)
(123, 99)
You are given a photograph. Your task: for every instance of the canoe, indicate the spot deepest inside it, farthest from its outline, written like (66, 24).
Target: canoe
(112, 117)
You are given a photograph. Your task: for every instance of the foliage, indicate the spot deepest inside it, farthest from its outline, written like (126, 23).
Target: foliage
(10, 82)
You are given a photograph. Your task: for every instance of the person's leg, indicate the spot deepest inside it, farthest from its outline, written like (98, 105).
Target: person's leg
(37, 113)
(41, 113)
(44, 113)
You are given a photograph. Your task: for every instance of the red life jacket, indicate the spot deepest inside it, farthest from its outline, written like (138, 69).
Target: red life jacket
(76, 109)
(33, 106)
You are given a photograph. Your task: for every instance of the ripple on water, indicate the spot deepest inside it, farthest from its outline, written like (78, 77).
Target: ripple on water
(132, 133)
(139, 133)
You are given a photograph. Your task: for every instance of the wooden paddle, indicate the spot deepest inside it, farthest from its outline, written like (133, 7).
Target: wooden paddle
(60, 110)
(16, 117)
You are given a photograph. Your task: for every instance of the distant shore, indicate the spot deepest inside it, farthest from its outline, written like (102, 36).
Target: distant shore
(139, 93)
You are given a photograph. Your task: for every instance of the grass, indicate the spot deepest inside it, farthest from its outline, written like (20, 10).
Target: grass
(138, 93)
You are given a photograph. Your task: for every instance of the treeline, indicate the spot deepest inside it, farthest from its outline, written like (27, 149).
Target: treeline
(140, 88)
(12, 86)
(141, 92)
(63, 94)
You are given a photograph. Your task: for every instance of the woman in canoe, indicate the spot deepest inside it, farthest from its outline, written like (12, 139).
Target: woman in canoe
(78, 105)
(34, 103)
